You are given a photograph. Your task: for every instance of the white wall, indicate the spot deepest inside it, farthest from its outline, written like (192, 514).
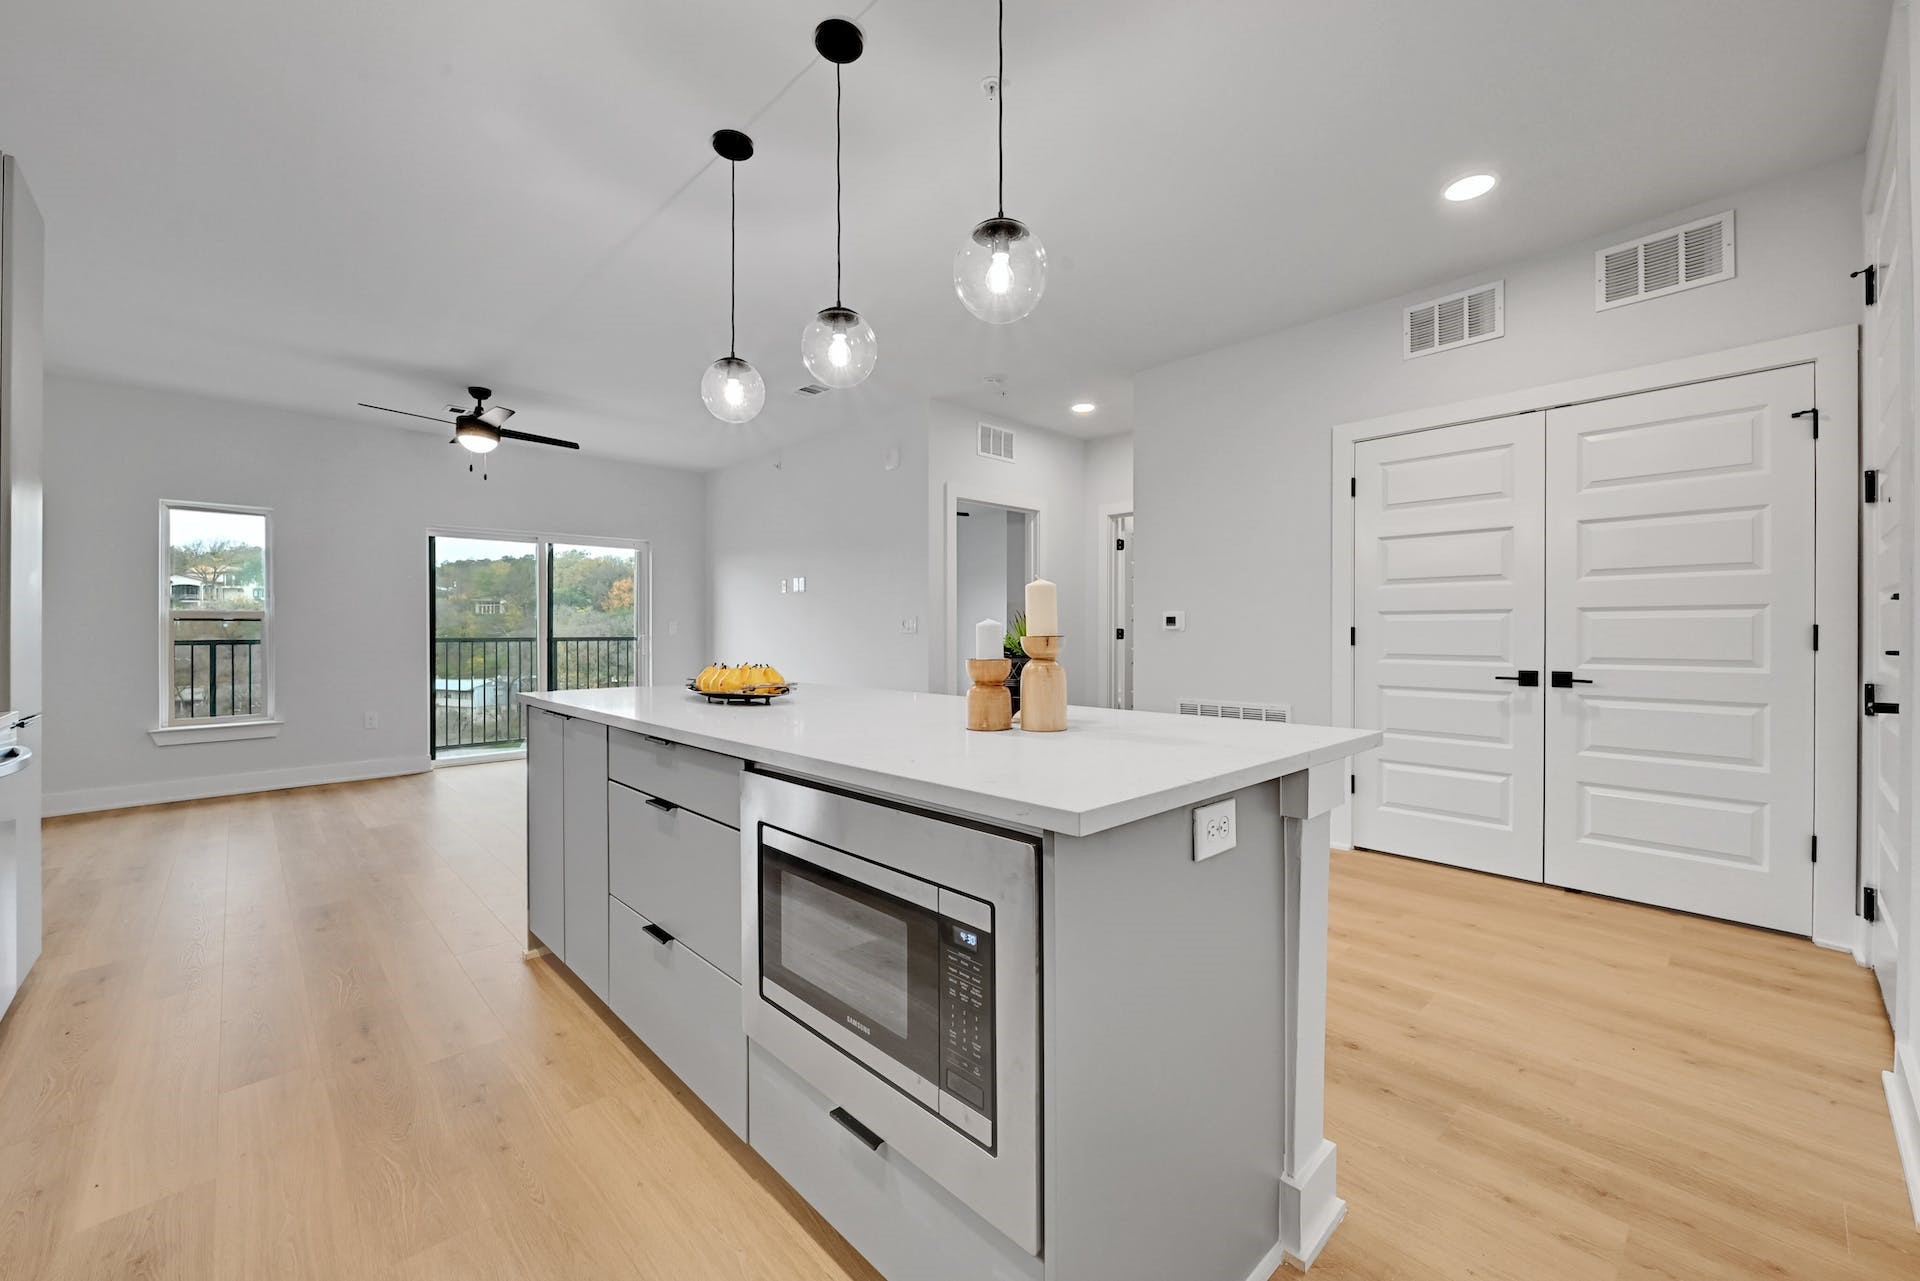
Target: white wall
(1233, 446)
(351, 506)
(828, 509)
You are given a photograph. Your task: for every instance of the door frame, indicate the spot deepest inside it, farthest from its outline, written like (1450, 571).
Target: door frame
(1107, 518)
(1835, 357)
(993, 496)
(542, 545)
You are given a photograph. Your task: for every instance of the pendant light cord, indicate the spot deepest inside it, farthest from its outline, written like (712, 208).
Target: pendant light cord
(1000, 100)
(733, 261)
(836, 184)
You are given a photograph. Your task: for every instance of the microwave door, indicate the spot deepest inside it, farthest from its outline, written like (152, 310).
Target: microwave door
(861, 963)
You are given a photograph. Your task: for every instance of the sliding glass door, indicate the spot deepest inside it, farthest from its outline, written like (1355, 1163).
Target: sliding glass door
(594, 638)
(513, 613)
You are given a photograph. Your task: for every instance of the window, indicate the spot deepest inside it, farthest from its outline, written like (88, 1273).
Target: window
(215, 594)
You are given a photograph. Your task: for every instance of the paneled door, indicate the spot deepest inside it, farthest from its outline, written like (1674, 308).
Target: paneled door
(1680, 612)
(1885, 567)
(1447, 647)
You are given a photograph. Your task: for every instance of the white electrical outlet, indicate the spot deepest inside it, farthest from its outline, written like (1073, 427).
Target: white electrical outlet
(910, 626)
(372, 720)
(1213, 829)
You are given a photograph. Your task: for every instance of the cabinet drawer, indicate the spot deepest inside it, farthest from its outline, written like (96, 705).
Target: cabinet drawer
(679, 870)
(705, 782)
(686, 1011)
(904, 1223)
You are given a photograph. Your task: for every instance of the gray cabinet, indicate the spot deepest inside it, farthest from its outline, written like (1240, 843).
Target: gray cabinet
(679, 870)
(584, 798)
(687, 1012)
(705, 782)
(546, 835)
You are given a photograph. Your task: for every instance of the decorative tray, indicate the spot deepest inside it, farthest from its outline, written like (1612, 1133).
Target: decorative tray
(758, 694)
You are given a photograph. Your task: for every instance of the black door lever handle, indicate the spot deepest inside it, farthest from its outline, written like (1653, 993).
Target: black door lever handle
(1567, 680)
(1526, 679)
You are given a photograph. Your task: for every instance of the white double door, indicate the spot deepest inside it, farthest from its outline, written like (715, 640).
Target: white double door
(1587, 634)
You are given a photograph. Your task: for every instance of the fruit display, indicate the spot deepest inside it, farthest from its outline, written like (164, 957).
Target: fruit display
(746, 678)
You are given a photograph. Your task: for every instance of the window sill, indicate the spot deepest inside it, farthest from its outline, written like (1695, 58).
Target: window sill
(224, 731)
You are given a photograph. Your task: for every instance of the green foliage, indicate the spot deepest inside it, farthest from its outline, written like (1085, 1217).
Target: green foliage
(220, 564)
(1015, 634)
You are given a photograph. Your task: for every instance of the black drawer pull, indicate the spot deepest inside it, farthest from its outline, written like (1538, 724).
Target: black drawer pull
(857, 1130)
(658, 742)
(657, 934)
(665, 807)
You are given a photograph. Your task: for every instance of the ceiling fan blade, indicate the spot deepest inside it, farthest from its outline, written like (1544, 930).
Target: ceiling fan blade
(537, 440)
(497, 416)
(406, 413)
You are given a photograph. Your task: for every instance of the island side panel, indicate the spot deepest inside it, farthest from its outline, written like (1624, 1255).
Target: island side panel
(1166, 1070)
(1310, 1207)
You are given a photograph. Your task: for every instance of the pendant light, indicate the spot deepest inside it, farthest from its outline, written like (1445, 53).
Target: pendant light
(733, 389)
(837, 345)
(1001, 271)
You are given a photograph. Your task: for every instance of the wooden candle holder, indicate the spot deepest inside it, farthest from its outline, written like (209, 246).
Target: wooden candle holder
(989, 702)
(1043, 686)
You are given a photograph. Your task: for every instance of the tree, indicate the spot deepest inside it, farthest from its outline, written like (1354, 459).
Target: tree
(619, 597)
(221, 562)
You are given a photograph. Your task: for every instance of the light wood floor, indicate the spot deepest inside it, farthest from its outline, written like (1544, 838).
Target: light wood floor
(292, 1036)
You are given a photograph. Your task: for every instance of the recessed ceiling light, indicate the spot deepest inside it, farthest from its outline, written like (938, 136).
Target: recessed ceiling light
(1471, 187)
(1083, 407)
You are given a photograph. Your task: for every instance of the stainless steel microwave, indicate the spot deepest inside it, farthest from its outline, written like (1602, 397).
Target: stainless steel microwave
(894, 962)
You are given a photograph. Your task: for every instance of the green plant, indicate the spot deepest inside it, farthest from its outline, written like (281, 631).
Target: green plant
(1015, 634)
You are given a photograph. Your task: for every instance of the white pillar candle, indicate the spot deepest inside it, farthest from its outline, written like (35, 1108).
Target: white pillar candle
(989, 639)
(1043, 608)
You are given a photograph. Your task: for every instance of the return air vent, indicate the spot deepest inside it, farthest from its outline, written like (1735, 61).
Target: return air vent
(1666, 262)
(1278, 712)
(995, 443)
(1470, 316)
(809, 389)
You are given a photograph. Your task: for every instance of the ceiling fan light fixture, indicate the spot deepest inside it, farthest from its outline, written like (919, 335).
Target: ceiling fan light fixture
(476, 436)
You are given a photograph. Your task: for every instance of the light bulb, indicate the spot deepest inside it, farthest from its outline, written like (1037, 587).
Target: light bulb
(1001, 271)
(838, 348)
(733, 390)
(1000, 274)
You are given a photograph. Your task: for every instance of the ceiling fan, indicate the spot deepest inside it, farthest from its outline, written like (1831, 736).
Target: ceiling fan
(480, 429)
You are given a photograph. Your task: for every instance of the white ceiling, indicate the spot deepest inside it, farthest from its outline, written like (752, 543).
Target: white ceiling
(355, 200)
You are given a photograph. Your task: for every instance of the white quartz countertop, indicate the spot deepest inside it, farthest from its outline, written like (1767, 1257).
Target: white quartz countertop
(1105, 769)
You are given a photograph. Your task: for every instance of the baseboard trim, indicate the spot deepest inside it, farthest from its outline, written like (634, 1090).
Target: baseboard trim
(1903, 1104)
(88, 800)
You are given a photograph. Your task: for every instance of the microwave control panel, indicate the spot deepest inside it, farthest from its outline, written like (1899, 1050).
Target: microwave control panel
(966, 1014)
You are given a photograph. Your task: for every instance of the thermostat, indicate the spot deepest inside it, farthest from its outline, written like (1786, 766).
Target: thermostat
(1174, 620)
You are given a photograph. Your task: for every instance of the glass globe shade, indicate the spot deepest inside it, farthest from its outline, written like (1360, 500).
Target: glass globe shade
(838, 348)
(476, 436)
(1001, 271)
(733, 389)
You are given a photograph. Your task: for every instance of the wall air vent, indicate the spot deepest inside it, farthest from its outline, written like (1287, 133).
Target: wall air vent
(995, 443)
(1666, 262)
(1470, 316)
(809, 389)
(1275, 712)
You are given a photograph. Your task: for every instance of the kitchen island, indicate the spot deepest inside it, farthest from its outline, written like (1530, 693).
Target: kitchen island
(980, 998)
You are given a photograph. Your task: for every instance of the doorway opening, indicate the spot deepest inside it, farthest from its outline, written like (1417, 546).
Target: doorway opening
(993, 563)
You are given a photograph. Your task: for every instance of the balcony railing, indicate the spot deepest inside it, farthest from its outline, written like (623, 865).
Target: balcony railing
(217, 677)
(475, 680)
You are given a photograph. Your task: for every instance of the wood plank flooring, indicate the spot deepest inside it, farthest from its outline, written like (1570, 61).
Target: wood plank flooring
(291, 1035)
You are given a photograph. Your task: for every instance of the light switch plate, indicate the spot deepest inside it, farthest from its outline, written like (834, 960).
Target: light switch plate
(1214, 830)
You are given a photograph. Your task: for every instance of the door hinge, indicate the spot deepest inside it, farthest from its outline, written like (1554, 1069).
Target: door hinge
(1353, 635)
(1353, 784)
(1814, 414)
(1353, 487)
(1872, 273)
(1119, 633)
(1870, 904)
(1813, 849)
(1816, 636)
(1119, 544)
(1870, 486)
